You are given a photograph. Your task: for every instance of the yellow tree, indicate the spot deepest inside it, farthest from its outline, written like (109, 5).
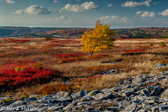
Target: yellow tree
(98, 39)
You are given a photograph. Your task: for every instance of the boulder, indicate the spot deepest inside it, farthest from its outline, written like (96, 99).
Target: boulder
(79, 94)
(86, 98)
(92, 93)
(130, 108)
(63, 94)
(17, 103)
(101, 96)
(145, 92)
(164, 94)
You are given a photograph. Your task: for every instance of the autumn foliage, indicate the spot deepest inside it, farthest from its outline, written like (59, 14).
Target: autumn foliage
(97, 39)
(24, 76)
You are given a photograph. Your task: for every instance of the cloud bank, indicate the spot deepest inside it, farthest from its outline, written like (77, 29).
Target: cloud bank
(135, 4)
(115, 18)
(35, 9)
(18, 12)
(145, 14)
(164, 13)
(10, 1)
(79, 8)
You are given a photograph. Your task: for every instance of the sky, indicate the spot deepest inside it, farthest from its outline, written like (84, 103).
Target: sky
(84, 13)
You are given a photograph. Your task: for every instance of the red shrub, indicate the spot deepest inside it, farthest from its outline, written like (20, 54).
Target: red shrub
(67, 55)
(143, 47)
(27, 76)
(54, 41)
(66, 40)
(19, 40)
(135, 50)
(118, 47)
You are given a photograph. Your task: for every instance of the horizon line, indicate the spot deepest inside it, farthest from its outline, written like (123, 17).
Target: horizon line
(84, 27)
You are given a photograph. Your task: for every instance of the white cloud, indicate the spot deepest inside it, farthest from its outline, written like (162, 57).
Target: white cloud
(164, 13)
(65, 18)
(114, 18)
(18, 12)
(134, 4)
(55, 1)
(79, 8)
(139, 12)
(146, 14)
(35, 9)
(124, 20)
(105, 17)
(109, 5)
(10, 1)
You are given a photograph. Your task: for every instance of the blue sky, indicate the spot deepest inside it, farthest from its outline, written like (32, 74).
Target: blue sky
(84, 13)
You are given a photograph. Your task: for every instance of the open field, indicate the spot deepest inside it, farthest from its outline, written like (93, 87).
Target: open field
(39, 66)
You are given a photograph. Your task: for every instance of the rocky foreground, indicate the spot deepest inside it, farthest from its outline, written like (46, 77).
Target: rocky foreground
(142, 93)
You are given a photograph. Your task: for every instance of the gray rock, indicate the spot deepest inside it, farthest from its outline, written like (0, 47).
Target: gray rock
(109, 90)
(17, 103)
(59, 100)
(155, 91)
(84, 103)
(44, 99)
(127, 93)
(128, 97)
(136, 100)
(140, 109)
(141, 98)
(86, 98)
(112, 71)
(30, 99)
(63, 94)
(43, 109)
(34, 95)
(79, 94)
(164, 94)
(92, 93)
(145, 92)
(155, 109)
(163, 107)
(112, 108)
(101, 96)
(70, 106)
(159, 65)
(55, 108)
(147, 109)
(150, 101)
(130, 108)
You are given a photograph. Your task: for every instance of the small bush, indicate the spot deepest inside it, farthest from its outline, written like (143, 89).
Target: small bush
(47, 38)
(162, 44)
(151, 44)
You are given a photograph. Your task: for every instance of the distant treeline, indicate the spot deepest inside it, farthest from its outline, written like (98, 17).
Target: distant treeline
(42, 32)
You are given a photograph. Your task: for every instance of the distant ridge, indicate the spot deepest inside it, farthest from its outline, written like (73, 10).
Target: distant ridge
(58, 32)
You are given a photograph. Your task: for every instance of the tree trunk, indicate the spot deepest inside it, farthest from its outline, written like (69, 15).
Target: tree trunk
(91, 53)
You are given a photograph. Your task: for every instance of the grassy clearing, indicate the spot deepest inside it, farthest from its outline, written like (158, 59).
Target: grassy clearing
(78, 69)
